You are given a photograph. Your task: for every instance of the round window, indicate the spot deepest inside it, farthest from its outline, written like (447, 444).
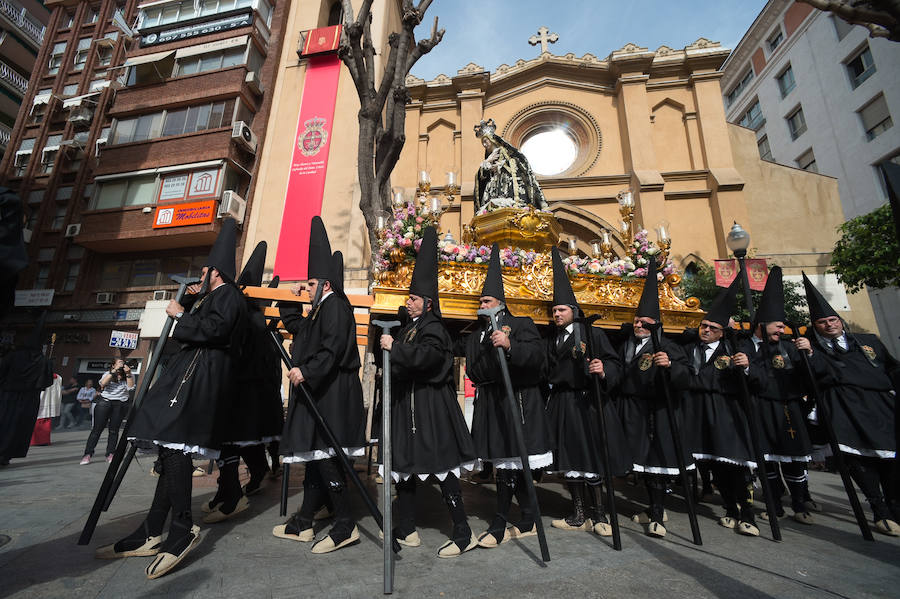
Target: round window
(551, 151)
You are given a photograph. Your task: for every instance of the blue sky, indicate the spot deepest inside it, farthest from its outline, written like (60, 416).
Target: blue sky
(493, 32)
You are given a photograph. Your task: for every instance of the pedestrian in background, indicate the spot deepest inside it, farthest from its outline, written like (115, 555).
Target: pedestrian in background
(85, 400)
(69, 405)
(110, 408)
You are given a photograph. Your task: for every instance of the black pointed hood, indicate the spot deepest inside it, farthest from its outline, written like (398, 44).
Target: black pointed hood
(562, 287)
(337, 275)
(221, 256)
(818, 305)
(34, 339)
(252, 274)
(723, 306)
(771, 304)
(320, 264)
(493, 282)
(425, 274)
(648, 306)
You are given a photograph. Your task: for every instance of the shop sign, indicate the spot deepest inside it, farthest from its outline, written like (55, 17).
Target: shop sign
(182, 215)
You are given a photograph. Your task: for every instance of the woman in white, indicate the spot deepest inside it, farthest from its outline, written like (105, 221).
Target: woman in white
(110, 408)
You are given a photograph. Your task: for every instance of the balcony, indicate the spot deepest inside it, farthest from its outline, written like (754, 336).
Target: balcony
(13, 80)
(5, 134)
(18, 16)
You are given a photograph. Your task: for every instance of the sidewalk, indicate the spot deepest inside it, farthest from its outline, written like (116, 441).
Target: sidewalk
(45, 498)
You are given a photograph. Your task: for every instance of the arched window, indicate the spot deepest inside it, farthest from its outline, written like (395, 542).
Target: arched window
(335, 14)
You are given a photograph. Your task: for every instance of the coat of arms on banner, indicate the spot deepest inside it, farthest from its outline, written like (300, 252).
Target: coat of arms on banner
(314, 136)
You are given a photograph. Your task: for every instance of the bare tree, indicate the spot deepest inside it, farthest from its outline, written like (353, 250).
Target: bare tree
(880, 17)
(382, 107)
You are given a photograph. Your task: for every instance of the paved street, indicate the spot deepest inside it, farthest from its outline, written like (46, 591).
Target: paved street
(45, 498)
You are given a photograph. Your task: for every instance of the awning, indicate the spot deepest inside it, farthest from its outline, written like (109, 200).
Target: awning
(147, 58)
(42, 99)
(231, 42)
(155, 3)
(162, 169)
(77, 100)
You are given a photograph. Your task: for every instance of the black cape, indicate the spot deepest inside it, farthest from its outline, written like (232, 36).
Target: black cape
(572, 408)
(188, 406)
(492, 430)
(325, 350)
(24, 373)
(429, 432)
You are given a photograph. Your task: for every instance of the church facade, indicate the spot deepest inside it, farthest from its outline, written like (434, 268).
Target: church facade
(651, 121)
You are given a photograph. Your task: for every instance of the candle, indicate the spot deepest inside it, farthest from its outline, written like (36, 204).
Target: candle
(399, 199)
(604, 237)
(451, 179)
(662, 231)
(573, 244)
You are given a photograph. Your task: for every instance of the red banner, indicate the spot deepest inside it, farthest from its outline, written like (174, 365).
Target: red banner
(757, 272)
(306, 182)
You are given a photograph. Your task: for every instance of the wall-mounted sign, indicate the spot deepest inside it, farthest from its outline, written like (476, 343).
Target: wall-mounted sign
(190, 185)
(34, 297)
(123, 340)
(195, 29)
(181, 215)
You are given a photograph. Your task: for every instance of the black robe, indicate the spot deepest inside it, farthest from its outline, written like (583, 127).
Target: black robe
(495, 439)
(642, 406)
(13, 257)
(429, 432)
(257, 415)
(189, 406)
(325, 351)
(778, 379)
(860, 395)
(572, 408)
(24, 373)
(717, 423)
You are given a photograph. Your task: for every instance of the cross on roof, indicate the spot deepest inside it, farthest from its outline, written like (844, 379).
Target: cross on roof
(543, 38)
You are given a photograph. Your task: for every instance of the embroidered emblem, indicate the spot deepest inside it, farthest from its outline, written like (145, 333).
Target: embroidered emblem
(410, 334)
(581, 349)
(778, 361)
(870, 353)
(314, 136)
(505, 328)
(723, 362)
(645, 362)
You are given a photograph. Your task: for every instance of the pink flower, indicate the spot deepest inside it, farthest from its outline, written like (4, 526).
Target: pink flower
(419, 219)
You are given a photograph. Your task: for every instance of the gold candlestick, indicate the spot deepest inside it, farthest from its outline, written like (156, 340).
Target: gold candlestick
(626, 209)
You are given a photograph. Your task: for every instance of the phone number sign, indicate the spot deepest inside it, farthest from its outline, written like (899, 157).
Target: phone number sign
(123, 340)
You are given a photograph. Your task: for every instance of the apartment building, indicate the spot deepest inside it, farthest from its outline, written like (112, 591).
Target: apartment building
(821, 95)
(22, 27)
(141, 129)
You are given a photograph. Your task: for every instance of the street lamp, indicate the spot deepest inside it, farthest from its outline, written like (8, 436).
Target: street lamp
(738, 241)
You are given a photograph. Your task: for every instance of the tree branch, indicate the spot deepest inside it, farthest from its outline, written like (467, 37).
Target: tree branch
(881, 18)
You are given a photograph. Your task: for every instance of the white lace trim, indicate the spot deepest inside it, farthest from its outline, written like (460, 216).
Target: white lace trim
(472, 466)
(872, 453)
(716, 458)
(321, 454)
(661, 469)
(534, 461)
(263, 441)
(575, 474)
(787, 458)
(205, 452)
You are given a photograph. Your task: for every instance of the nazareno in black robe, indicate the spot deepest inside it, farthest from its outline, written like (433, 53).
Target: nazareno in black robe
(492, 431)
(572, 409)
(189, 406)
(862, 399)
(642, 406)
(325, 350)
(429, 432)
(24, 373)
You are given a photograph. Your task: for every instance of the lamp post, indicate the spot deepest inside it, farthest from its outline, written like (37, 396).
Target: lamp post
(738, 241)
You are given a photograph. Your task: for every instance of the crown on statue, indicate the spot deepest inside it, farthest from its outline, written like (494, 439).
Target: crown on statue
(487, 127)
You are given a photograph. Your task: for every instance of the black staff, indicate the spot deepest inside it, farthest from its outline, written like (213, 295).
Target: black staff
(333, 442)
(663, 384)
(604, 443)
(749, 407)
(824, 416)
(120, 462)
(520, 436)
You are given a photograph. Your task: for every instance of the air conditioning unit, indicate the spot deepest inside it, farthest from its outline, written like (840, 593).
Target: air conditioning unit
(26, 235)
(81, 116)
(232, 205)
(161, 294)
(100, 143)
(253, 82)
(105, 297)
(242, 134)
(73, 230)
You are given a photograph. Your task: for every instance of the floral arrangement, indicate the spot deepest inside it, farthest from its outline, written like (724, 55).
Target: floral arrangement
(405, 231)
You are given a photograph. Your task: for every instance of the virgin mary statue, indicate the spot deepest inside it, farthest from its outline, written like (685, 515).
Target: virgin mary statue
(505, 178)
